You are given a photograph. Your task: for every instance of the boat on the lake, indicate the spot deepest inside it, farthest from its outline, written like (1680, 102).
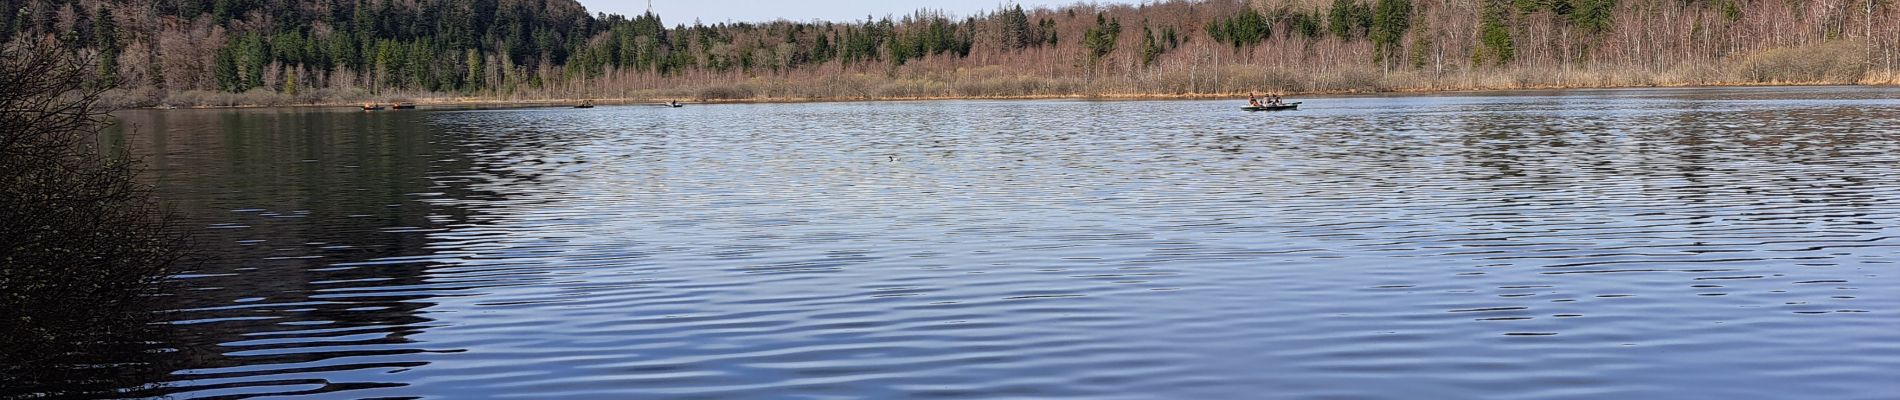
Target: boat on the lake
(672, 104)
(585, 104)
(404, 106)
(372, 107)
(1282, 107)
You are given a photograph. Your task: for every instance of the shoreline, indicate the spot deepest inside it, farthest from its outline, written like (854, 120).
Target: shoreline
(479, 102)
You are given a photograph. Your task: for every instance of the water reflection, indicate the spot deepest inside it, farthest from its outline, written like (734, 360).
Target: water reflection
(283, 199)
(1535, 245)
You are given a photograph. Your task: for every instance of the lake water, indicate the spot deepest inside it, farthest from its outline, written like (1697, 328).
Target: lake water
(1665, 243)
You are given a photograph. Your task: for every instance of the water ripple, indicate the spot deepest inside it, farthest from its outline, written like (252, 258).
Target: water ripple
(1591, 244)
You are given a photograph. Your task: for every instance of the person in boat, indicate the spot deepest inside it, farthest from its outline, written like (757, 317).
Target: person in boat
(1275, 101)
(1253, 99)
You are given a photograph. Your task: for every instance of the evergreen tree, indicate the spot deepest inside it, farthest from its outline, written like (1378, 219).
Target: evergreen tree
(1246, 29)
(1150, 47)
(387, 62)
(105, 33)
(342, 51)
(225, 10)
(1391, 18)
(419, 67)
(1494, 39)
(1050, 36)
(1100, 39)
(81, 34)
(821, 51)
(1349, 19)
(225, 70)
(1016, 30)
(1305, 25)
(1593, 16)
(252, 55)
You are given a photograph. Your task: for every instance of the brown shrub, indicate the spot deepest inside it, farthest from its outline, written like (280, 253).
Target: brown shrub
(1837, 62)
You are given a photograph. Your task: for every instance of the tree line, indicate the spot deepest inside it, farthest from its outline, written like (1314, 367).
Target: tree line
(551, 47)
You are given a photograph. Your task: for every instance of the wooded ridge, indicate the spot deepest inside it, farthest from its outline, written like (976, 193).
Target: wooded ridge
(231, 52)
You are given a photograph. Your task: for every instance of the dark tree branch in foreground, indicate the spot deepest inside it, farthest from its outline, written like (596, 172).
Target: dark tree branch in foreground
(83, 247)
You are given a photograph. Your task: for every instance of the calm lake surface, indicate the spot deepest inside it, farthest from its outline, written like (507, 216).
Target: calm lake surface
(1669, 243)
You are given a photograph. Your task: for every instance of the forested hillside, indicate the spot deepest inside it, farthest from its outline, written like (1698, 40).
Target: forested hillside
(281, 51)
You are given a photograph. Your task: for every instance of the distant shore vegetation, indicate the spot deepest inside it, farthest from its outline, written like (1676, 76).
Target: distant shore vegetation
(225, 52)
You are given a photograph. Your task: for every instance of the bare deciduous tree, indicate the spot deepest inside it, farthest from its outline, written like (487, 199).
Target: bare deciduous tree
(82, 244)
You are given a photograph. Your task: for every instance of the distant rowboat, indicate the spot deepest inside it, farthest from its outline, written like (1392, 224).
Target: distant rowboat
(1283, 107)
(372, 107)
(404, 106)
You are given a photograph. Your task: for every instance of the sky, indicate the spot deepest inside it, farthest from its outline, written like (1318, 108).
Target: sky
(675, 12)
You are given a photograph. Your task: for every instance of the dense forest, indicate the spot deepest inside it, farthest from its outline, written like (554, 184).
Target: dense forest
(224, 52)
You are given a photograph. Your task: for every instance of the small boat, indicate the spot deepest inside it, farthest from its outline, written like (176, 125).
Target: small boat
(1282, 107)
(586, 104)
(372, 107)
(404, 106)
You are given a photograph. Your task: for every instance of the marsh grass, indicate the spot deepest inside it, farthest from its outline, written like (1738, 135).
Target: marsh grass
(1832, 62)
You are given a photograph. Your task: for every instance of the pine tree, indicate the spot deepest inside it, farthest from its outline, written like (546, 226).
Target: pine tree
(1016, 30)
(1494, 39)
(1349, 19)
(1391, 18)
(252, 55)
(1050, 36)
(1150, 47)
(821, 52)
(1593, 16)
(105, 33)
(472, 76)
(225, 70)
(1100, 39)
(1246, 29)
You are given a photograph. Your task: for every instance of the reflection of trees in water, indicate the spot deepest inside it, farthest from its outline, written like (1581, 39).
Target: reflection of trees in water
(1587, 141)
(1702, 142)
(299, 204)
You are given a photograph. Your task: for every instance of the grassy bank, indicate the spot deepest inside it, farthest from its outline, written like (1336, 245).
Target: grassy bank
(749, 92)
(1834, 63)
(981, 84)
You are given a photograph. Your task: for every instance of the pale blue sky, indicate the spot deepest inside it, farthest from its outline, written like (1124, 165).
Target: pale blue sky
(675, 12)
